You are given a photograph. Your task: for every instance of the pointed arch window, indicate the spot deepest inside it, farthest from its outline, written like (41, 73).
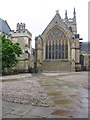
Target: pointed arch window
(55, 47)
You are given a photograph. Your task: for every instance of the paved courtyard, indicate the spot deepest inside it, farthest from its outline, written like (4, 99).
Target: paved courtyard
(45, 95)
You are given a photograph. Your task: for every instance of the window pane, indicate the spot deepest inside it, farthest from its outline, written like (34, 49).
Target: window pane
(53, 51)
(66, 51)
(63, 51)
(59, 50)
(56, 50)
(49, 51)
(46, 51)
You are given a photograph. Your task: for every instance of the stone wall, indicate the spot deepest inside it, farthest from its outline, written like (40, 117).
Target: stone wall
(24, 38)
(56, 65)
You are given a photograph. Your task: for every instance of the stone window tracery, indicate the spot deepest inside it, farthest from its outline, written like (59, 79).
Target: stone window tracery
(59, 47)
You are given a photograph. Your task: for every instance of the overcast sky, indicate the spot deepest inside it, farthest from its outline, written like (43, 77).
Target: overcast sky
(37, 14)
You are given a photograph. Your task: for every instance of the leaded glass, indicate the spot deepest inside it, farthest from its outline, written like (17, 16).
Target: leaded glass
(66, 51)
(49, 50)
(46, 50)
(63, 51)
(53, 51)
(56, 33)
(58, 51)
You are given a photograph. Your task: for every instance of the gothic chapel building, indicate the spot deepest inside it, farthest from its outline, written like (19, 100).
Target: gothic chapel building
(57, 48)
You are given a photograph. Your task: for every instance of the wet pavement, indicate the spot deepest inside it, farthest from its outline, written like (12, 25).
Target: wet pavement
(67, 91)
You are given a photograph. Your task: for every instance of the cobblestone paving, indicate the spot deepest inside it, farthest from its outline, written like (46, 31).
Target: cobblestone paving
(65, 95)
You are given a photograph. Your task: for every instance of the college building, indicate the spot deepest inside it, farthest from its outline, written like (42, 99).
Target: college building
(58, 48)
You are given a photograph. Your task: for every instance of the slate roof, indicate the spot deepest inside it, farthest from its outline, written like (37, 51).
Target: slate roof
(85, 46)
(4, 27)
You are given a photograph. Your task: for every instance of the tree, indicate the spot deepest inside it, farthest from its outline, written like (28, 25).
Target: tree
(10, 53)
(0, 54)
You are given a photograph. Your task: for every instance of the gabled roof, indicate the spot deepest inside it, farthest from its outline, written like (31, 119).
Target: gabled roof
(59, 22)
(51, 21)
(4, 27)
(85, 46)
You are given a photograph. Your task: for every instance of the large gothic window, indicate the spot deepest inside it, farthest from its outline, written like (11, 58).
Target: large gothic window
(57, 45)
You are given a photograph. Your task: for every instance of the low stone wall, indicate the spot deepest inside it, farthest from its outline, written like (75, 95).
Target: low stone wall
(56, 66)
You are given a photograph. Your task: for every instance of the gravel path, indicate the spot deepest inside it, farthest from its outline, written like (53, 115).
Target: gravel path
(77, 78)
(25, 91)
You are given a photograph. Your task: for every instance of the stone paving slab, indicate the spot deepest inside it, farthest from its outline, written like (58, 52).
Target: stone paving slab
(80, 113)
(72, 107)
(11, 116)
(11, 105)
(56, 116)
(30, 116)
(63, 112)
(6, 111)
(23, 110)
(41, 111)
(62, 101)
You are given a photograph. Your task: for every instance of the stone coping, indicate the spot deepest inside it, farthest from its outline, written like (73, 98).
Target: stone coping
(15, 76)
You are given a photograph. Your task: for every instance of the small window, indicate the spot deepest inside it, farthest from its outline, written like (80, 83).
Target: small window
(70, 28)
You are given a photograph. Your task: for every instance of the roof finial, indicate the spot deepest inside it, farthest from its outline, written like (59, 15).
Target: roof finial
(74, 13)
(57, 11)
(66, 14)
